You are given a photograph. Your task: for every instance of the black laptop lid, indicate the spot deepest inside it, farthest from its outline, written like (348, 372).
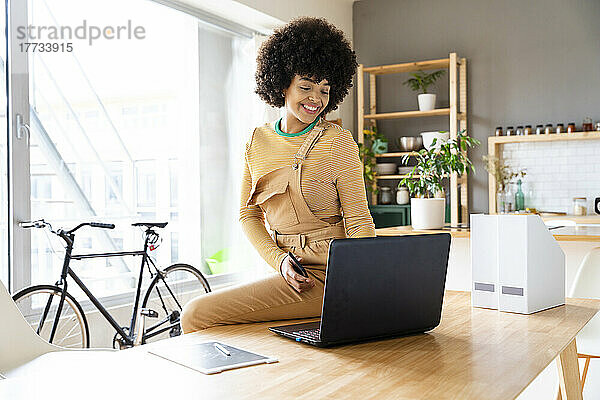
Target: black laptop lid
(384, 286)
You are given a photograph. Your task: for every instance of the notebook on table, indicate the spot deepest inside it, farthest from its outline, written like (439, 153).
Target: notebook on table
(211, 357)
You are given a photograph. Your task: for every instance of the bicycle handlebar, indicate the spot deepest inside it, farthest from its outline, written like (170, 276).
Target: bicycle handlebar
(102, 225)
(40, 223)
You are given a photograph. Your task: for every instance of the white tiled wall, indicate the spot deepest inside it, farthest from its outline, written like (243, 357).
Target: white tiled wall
(556, 172)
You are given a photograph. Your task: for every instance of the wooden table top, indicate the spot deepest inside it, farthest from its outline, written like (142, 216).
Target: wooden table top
(565, 234)
(473, 354)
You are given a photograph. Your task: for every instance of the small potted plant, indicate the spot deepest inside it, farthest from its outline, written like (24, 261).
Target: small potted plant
(419, 82)
(424, 181)
(504, 175)
(375, 143)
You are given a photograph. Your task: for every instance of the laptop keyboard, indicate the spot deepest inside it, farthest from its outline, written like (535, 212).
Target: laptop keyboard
(312, 334)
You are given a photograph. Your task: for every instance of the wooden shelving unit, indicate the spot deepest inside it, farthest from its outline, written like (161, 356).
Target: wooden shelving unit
(394, 176)
(397, 154)
(494, 143)
(457, 113)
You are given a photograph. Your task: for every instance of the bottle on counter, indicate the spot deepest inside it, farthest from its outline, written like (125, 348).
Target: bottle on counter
(579, 206)
(598, 126)
(528, 130)
(560, 128)
(498, 131)
(519, 197)
(571, 127)
(509, 205)
(548, 129)
(539, 129)
(519, 131)
(510, 131)
(588, 125)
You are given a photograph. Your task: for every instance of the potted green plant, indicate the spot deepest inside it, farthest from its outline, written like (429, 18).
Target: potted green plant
(419, 82)
(375, 143)
(424, 181)
(504, 175)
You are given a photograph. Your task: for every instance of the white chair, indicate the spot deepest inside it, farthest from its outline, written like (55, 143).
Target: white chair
(19, 344)
(587, 285)
(554, 223)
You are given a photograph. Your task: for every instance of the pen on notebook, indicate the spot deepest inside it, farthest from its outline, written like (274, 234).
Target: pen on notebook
(222, 349)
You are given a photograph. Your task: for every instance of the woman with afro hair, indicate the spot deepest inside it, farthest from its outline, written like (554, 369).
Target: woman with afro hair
(301, 172)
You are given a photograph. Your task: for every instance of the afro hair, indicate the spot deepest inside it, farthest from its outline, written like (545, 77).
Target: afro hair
(309, 47)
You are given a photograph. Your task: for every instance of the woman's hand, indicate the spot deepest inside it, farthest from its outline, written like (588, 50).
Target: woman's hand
(294, 279)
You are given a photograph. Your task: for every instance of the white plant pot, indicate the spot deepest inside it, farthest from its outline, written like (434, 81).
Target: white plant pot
(426, 102)
(427, 213)
(442, 137)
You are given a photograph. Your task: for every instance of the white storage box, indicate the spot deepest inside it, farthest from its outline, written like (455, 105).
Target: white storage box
(517, 265)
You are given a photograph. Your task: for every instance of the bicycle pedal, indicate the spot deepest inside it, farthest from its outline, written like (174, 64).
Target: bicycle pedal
(147, 312)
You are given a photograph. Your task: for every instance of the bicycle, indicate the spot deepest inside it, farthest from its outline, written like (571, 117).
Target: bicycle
(168, 290)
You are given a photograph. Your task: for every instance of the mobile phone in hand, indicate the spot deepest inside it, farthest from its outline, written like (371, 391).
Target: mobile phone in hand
(297, 266)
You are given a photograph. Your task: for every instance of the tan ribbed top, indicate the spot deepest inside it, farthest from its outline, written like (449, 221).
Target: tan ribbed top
(332, 183)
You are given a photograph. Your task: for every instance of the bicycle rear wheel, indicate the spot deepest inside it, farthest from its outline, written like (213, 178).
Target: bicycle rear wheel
(168, 292)
(72, 330)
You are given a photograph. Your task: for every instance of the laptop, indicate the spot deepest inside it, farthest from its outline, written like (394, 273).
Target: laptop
(378, 287)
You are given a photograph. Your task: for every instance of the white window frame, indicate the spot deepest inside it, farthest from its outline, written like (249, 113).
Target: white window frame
(19, 182)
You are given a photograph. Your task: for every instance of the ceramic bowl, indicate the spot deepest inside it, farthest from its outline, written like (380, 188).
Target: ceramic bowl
(385, 168)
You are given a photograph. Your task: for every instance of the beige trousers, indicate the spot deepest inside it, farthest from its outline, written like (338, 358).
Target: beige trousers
(266, 299)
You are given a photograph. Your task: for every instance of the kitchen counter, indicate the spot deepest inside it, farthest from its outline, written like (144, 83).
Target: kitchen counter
(564, 234)
(408, 230)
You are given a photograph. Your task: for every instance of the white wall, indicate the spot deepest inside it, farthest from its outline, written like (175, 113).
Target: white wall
(338, 12)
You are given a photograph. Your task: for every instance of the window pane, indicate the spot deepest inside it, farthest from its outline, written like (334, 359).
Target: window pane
(120, 126)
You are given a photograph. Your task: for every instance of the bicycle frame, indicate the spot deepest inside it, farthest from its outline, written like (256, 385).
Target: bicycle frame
(67, 271)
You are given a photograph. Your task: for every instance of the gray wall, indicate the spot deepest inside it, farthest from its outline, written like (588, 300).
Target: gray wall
(529, 62)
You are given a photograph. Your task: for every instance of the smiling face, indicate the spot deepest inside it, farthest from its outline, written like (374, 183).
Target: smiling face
(306, 98)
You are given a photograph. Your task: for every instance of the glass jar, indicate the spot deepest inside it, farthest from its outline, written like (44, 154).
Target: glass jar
(386, 195)
(510, 131)
(402, 196)
(571, 127)
(548, 129)
(528, 130)
(560, 128)
(579, 206)
(539, 129)
(499, 131)
(587, 125)
(509, 205)
(519, 131)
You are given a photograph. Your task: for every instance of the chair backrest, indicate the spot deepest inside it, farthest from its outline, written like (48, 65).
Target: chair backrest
(19, 343)
(587, 280)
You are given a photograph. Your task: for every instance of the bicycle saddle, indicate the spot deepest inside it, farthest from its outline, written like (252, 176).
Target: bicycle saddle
(150, 224)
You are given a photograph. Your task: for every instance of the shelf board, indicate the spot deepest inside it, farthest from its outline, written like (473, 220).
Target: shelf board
(397, 154)
(394, 176)
(409, 114)
(544, 138)
(408, 67)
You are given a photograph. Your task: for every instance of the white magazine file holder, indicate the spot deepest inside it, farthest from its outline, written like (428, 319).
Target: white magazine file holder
(516, 264)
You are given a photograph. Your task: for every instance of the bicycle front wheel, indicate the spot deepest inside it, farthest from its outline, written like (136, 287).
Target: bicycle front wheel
(39, 305)
(168, 292)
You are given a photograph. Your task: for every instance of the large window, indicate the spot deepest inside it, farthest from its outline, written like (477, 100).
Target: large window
(139, 129)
